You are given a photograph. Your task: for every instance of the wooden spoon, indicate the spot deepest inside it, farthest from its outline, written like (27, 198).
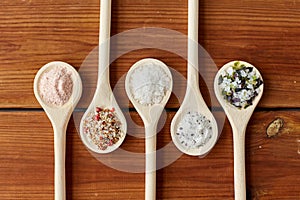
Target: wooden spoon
(193, 100)
(238, 119)
(104, 96)
(59, 117)
(150, 116)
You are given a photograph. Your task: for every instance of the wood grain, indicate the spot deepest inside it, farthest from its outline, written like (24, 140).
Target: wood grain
(26, 169)
(264, 33)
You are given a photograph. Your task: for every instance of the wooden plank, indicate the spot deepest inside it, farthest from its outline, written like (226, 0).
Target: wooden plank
(26, 167)
(265, 33)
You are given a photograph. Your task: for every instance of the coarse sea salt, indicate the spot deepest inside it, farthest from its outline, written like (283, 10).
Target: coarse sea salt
(149, 84)
(56, 86)
(194, 130)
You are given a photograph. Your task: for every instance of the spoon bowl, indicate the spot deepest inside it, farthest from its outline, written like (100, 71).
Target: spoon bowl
(58, 113)
(238, 118)
(103, 100)
(193, 102)
(104, 97)
(59, 117)
(233, 113)
(144, 110)
(150, 115)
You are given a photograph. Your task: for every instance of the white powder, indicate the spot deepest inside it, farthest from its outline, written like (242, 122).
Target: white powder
(194, 130)
(149, 84)
(56, 85)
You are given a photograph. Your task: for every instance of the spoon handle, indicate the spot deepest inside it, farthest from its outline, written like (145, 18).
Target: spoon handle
(59, 162)
(193, 18)
(104, 41)
(239, 163)
(150, 179)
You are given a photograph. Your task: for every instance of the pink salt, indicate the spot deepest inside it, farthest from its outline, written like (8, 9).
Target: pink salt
(56, 85)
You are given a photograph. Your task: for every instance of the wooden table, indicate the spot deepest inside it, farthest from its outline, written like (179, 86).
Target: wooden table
(265, 33)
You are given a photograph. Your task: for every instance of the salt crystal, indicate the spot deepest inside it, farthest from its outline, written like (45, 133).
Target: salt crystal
(191, 132)
(149, 84)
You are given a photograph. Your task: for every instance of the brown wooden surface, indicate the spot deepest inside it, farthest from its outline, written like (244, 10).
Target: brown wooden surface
(27, 163)
(265, 33)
